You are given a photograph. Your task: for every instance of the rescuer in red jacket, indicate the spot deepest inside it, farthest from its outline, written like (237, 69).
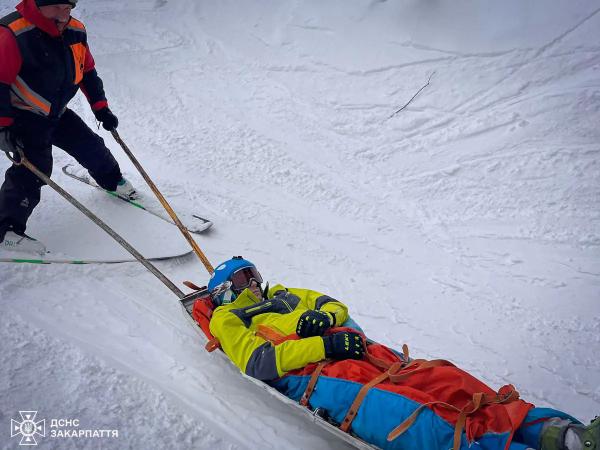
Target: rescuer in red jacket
(44, 61)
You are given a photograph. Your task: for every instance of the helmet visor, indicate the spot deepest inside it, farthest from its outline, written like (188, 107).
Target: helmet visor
(242, 278)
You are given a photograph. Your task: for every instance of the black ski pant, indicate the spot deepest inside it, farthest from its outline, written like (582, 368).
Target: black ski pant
(20, 193)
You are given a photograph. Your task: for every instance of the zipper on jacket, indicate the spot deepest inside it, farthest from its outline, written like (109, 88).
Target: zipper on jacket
(64, 50)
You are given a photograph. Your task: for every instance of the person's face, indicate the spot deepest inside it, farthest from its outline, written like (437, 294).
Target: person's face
(255, 289)
(59, 13)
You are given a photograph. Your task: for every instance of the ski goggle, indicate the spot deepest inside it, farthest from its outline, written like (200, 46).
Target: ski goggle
(241, 278)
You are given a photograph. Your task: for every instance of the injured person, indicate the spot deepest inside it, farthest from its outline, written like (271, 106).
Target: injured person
(304, 344)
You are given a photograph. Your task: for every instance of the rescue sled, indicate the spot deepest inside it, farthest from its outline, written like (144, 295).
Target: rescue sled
(387, 399)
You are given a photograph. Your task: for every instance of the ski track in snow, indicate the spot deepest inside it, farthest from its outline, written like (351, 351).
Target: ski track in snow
(466, 226)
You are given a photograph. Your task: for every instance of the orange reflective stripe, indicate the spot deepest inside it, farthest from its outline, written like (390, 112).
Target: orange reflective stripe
(19, 25)
(74, 23)
(78, 51)
(16, 102)
(31, 97)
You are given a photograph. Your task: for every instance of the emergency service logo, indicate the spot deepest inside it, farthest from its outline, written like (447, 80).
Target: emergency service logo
(61, 428)
(27, 428)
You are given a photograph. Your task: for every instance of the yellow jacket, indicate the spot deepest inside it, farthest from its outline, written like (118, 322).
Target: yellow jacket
(236, 325)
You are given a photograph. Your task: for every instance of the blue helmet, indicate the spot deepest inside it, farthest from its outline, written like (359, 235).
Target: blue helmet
(230, 278)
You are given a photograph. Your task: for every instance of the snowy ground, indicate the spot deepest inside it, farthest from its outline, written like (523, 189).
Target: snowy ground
(467, 225)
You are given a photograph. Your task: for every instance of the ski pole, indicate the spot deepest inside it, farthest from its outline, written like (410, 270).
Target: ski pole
(165, 204)
(22, 160)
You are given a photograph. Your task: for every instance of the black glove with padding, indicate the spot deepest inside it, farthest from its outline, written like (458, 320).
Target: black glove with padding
(344, 345)
(314, 323)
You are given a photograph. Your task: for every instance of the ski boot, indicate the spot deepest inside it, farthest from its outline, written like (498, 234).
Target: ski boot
(17, 241)
(590, 435)
(126, 190)
(572, 436)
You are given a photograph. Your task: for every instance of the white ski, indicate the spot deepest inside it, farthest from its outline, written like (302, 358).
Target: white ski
(50, 258)
(193, 222)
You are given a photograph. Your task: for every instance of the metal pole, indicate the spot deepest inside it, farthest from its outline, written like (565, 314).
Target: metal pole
(165, 204)
(147, 264)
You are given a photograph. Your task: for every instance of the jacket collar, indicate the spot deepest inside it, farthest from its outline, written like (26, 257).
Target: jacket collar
(30, 11)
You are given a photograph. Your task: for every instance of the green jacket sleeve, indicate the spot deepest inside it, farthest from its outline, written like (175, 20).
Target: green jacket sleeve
(257, 357)
(316, 300)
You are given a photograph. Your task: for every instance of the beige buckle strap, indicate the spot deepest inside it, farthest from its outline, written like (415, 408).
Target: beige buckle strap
(313, 382)
(317, 372)
(421, 365)
(385, 365)
(478, 401)
(353, 410)
(405, 353)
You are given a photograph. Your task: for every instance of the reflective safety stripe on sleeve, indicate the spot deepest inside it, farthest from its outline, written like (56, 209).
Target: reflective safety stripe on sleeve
(23, 97)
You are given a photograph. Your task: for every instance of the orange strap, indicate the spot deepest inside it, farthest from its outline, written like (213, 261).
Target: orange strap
(378, 362)
(394, 376)
(274, 336)
(212, 345)
(312, 382)
(478, 401)
(385, 365)
(390, 371)
(405, 353)
(192, 285)
(421, 364)
(351, 414)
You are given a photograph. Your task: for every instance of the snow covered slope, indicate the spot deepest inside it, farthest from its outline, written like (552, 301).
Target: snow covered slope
(467, 225)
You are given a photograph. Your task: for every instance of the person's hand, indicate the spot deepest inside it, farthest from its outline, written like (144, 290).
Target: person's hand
(344, 345)
(314, 323)
(108, 120)
(8, 142)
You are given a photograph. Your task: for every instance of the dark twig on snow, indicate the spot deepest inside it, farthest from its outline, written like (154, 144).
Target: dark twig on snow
(413, 97)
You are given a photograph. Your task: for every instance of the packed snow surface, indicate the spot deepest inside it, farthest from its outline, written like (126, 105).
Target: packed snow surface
(467, 225)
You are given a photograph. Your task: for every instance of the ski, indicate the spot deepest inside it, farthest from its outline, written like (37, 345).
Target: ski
(45, 260)
(193, 222)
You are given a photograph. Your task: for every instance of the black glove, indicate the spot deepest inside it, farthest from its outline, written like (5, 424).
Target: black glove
(314, 323)
(344, 345)
(8, 141)
(108, 120)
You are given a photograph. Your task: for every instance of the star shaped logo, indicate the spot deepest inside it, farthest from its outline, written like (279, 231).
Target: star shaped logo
(27, 428)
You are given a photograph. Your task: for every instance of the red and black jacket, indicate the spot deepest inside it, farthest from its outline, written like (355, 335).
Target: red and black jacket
(41, 68)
